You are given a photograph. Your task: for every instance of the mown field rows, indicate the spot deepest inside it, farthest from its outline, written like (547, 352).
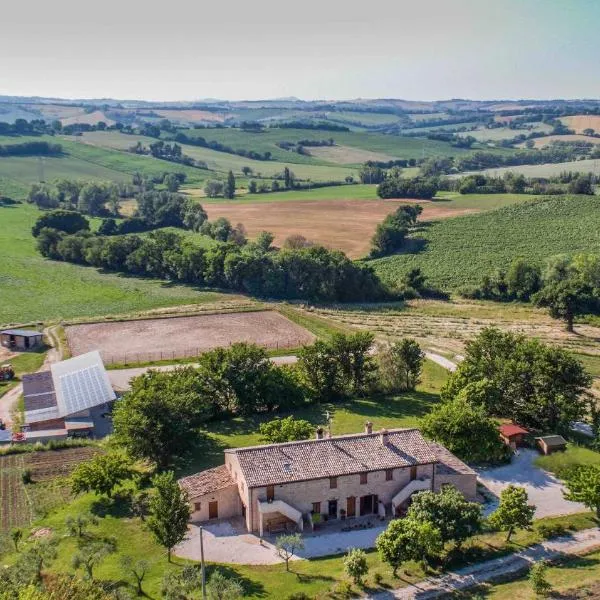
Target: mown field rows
(15, 509)
(458, 252)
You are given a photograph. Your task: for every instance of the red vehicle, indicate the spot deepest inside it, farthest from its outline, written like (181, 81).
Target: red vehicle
(7, 372)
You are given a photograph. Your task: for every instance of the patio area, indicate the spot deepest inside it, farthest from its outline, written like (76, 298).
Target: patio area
(228, 541)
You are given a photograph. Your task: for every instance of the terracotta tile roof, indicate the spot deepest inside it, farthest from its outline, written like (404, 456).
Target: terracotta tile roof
(448, 463)
(510, 429)
(332, 457)
(207, 481)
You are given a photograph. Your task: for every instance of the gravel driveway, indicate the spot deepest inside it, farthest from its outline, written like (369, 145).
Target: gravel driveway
(544, 490)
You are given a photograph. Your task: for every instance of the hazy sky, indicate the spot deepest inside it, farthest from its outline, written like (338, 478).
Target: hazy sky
(313, 49)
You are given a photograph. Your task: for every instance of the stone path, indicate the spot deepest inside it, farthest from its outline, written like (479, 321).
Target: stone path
(498, 568)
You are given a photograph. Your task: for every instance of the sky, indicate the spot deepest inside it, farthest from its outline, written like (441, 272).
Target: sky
(314, 49)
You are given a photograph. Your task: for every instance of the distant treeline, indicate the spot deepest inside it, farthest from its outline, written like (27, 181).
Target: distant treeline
(30, 149)
(554, 153)
(182, 138)
(318, 126)
(568, 182)
(314, 273)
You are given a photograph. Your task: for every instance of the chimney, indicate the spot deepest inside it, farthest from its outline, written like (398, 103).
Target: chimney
(369, 427)
(319, 433)
(383, 436)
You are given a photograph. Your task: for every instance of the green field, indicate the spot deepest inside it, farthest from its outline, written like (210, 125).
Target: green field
(391, 145)
(222, 162)
(547, 170)
(456, 252)
(35, 289)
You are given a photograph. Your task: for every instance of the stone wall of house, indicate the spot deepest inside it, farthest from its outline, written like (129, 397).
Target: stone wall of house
(233, 464)
(229, 504)
(466, 483)
(301, 495)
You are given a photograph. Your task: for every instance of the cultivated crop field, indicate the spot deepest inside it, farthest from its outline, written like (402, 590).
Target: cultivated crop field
(179, 337)
(343, 224)
(458, 252)
(35, 289)
(21, 503)
(580, 122)
(588, 165)
(548, 139)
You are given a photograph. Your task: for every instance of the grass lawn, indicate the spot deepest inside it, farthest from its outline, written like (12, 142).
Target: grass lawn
(35, 289)
(572, 578)
(26, 362)
(347, 417)
(559, 463)
(456, 252)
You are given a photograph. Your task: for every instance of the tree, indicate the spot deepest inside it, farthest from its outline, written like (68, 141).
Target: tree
(400, 366)
(102, 474)
(583, 483)
(108, 227)
(92, 198)
(537, 578)
(246, 170)
(565, 299)
(523, 279)
(287, 545)
(42, 196)
(513, 512)
(535, 385)
(407, 539)
(61, 220)
(355, 565)
(320, 370)
(213, 188)
(16, 535)
(252, 187)
(288, 429)
(465, 430)
(77, 525)
(356, 364)
(91, 554)
(36, 557)
(221, 587)
(455, 517)
(158, 419)
(389, 236)
(169, 512)
(194, 216)
(171, 182)
(137, 568)
(229, 189)
(264, 240)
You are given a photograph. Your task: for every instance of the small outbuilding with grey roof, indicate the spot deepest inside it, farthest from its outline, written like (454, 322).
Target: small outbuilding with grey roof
(551, 443)
(21, 339)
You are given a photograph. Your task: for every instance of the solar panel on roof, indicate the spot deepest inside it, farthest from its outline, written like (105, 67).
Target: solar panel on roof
(83, 389)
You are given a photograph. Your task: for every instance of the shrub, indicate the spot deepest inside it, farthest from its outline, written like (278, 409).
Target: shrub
(355, 565)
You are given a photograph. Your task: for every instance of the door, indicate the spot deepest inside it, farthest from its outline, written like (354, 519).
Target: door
(332, 509)
(351, 506)
(270, 493)
(213, 510)
(366, 504)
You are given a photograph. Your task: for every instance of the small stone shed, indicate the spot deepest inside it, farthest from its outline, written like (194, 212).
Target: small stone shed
(21, 339)
(513, 435)
(551, 443)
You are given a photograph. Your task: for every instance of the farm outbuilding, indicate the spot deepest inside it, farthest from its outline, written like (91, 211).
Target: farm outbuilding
(21, 339)
(513, 435)
(551, 443)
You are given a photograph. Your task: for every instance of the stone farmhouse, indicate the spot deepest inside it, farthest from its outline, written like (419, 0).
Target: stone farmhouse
(282, 486)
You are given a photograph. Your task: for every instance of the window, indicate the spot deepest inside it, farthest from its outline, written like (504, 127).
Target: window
(413, 473)
(197, 506)
(332, 482)
(316, 509)
(363, 478)
(270, 493)
(389, 474)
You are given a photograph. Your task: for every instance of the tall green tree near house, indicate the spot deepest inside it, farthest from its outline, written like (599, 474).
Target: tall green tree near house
(229, 189)
(514, 511)
(169, 511)
(400, 366)
(583, 485)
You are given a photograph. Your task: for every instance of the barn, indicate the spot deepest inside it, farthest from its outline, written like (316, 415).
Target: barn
(21, 339)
